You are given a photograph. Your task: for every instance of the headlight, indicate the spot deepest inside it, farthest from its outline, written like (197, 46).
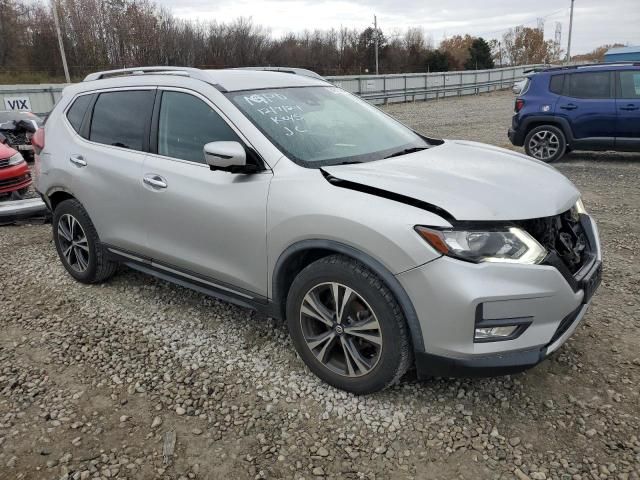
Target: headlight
(508, 245)
(579, 207)
(16, 159)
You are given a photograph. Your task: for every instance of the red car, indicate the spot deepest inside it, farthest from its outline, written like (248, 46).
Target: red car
(15, 177)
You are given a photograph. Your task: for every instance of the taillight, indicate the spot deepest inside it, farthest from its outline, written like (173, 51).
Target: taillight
(519, 104)
(38, 140)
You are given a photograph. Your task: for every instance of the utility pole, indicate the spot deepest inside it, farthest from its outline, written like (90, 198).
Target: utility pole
(570, 31)
(64, 57)
(375, 26)
(500, 52)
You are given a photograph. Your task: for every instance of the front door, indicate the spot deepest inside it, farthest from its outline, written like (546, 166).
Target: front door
(628, 109)
(199, 222)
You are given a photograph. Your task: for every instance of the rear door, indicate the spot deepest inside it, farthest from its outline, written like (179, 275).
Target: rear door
(628, 110)
(106, 164)
(588, 104)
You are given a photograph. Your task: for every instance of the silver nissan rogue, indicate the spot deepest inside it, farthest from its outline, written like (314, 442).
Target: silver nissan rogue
(384, 249)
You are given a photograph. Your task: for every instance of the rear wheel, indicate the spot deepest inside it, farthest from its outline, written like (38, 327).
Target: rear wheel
(546, 142)
(347, 326)
(78, 245)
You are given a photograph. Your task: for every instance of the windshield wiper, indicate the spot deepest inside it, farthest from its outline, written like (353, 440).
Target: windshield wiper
(406, 151)
(349, 162)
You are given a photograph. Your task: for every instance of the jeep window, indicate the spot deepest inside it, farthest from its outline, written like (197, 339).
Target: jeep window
(629, 84)
(556, 83)
(75, 114)
(319, 126)
(590, 85)
(186, 124)
(120, 118)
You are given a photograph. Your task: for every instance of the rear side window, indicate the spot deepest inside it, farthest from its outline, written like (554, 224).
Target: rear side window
(590, 85)
(120, 118)
(75, 114)
(630, 84)
(556, 83)
(187, 124)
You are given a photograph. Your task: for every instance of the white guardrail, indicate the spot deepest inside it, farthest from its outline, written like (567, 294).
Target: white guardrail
(402, 87)
(406, 87)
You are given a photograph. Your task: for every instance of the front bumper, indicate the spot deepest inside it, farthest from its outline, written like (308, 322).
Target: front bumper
(14, 178)
(451, 297)
(505, 363)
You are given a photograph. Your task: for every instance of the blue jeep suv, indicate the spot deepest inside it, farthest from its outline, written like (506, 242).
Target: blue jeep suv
(584, 107)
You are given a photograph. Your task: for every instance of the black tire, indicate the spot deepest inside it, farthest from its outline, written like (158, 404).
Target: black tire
(97, 267)
(546, 143)
(388, 362)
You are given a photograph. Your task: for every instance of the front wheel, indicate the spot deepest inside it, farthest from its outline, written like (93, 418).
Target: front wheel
(347, 326)
(546, 143)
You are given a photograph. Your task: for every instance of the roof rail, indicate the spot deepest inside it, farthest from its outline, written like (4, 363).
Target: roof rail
(586, 65)
(179, 71)
(297, 71)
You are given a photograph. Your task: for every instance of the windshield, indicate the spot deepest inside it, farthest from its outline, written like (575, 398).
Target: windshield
(320, 126)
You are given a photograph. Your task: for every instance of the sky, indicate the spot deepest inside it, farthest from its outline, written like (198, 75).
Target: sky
(596, 22)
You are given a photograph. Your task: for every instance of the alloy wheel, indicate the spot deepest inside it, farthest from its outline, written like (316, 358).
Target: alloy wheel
(341, 329)
(73, 243)
(544, 145)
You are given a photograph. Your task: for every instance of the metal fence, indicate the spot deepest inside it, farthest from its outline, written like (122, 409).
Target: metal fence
(374, 88)
(426, 86)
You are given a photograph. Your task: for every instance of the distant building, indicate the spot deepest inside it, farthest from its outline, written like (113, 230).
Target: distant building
(623, 54)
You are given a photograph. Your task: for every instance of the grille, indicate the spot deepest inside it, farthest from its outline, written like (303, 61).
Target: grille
(4, 163)
(14, 181)
(563, 235)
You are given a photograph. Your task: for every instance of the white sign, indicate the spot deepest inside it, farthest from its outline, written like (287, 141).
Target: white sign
(17, 103)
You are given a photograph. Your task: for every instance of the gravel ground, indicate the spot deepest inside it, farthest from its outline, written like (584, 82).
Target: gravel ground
(96, 380)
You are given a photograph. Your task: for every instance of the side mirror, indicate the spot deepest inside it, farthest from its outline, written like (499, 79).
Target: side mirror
(229, 156)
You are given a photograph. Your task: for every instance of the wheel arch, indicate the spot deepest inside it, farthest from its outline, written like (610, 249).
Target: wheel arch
(538, 120)
(297, 256)
(56, 195)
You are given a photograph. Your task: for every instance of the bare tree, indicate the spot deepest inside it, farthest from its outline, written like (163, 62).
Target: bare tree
(100, 34)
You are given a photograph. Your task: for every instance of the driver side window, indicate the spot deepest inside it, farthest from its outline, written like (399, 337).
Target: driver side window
(186, 124)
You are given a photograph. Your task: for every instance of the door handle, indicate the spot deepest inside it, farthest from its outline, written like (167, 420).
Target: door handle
(78, 160)
(631, 106)
(155, 181)
(571, 106)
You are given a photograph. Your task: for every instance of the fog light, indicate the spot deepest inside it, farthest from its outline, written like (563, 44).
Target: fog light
(496, 333)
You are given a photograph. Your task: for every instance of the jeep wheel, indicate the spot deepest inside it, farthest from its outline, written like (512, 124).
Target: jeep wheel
(347, 326)
(78, 245)
(546, 143)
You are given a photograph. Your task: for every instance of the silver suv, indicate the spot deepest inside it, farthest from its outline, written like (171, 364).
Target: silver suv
(383, 249)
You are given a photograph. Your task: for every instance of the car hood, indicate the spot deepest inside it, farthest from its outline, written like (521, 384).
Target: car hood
(6, 151)
(469, 180)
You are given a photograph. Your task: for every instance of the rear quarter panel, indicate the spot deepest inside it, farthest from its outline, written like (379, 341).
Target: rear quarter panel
(53, 173)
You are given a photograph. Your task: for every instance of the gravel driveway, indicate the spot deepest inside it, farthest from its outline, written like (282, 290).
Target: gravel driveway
(96, 380)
